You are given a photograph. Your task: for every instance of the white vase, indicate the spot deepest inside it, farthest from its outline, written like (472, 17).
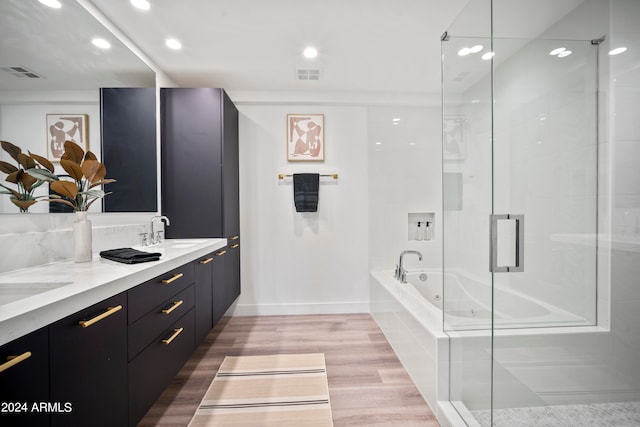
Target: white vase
(82, 238)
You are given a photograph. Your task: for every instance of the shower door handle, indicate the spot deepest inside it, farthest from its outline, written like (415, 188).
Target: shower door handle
(519, 244)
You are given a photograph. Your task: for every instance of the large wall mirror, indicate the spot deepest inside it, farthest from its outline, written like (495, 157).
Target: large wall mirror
(51, 75)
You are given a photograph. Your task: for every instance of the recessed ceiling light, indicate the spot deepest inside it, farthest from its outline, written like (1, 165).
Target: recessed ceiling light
(378, 143)
(310, 52)
(173, 44)
(557, 51)
(564, 53)
(101, 43)
(51, 3)
(475, 49)
(617, 50)
(464, 51)
(141, 4)
(488, 56)
(397, 119)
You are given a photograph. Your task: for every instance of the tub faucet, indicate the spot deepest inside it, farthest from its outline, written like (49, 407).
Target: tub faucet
(155, 237)
(401, 273)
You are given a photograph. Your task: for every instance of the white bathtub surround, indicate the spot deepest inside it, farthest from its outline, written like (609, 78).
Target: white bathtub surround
(413, 327)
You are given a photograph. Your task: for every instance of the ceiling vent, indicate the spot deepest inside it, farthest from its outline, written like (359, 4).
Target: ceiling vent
(307, 74)
(21, 72)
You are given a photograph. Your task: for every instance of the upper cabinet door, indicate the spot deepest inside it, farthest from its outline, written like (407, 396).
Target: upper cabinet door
(199, 162)
(128, 128)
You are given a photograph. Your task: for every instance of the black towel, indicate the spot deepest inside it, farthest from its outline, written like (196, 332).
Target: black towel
(130, 255)
(305, 191)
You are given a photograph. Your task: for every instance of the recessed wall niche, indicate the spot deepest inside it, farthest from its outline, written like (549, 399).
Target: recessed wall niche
(421, 226)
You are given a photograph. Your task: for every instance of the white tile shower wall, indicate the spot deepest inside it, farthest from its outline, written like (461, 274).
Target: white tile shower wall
(303, 262)
(625, 134)
(405, 176)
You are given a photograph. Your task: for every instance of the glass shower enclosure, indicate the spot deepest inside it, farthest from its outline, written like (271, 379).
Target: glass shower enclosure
(520, 212)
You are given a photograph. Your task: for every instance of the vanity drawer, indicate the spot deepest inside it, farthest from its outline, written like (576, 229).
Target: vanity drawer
(143, 331)
(145, 297)
(153, 369)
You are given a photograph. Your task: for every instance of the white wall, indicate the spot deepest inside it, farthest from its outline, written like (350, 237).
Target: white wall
(303, 262)
(405, 176)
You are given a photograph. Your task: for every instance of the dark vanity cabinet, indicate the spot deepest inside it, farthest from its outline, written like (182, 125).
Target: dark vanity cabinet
(221, 301)
(88, 363)
(204, 295)
(24, 380)
(161, 335)
(128, 134)
(200, 177)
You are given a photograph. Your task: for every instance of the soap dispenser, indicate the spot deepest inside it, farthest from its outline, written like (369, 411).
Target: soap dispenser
(427, 231)
(419, 235)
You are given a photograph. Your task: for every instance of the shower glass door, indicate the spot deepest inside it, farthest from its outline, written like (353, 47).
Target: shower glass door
(519, 215)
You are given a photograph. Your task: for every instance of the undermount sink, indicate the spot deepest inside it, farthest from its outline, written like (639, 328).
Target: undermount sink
(10, 292)
(181, 245)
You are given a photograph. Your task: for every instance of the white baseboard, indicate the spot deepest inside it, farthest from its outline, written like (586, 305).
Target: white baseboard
(303, 308)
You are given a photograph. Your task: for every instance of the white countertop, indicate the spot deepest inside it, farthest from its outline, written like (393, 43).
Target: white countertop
(34, 297)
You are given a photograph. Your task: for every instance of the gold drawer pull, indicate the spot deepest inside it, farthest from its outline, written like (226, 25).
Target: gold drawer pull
(109, 312)
(235, 246)
(175, 305)
(176, 332)
(234, 238)
(173, 279)
(14, 360)
(221, 253)
(206, 261)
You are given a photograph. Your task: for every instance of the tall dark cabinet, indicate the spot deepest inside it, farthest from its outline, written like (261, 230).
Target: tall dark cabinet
(128, 133)
(200, 172)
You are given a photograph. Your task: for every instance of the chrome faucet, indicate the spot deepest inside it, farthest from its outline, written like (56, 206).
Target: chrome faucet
(156, 237)
(401, 273)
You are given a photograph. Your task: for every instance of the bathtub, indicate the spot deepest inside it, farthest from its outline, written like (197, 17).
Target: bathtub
(412, 323)
(411, 317)
(468, 304)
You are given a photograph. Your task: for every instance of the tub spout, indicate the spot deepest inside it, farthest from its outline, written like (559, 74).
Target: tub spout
(400, 273)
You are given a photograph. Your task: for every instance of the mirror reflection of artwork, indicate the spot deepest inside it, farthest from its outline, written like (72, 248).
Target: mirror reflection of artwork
(305, 137)
(66, 127)
(453, 145)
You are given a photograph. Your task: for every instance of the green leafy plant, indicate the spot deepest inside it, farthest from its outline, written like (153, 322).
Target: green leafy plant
(86, 172)
(25, 183)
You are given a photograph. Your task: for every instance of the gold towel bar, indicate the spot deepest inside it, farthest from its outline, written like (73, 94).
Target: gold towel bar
(331, 175)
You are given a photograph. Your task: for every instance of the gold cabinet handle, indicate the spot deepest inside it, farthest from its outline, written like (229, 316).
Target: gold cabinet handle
(234, 238)
(175, 305)
(109, 312)
(173, 279)
(176, 332)
(235, 246)
(206, 261)
(221, 253)
(14, 360)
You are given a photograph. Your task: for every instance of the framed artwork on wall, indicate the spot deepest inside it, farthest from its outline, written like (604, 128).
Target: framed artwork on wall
(305, 137)
(66, 127)
(453, 138)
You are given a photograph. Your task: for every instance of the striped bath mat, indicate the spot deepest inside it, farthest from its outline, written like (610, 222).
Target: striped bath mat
(277, 390)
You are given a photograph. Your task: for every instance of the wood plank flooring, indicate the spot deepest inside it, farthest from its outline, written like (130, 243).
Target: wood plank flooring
(367, 384)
